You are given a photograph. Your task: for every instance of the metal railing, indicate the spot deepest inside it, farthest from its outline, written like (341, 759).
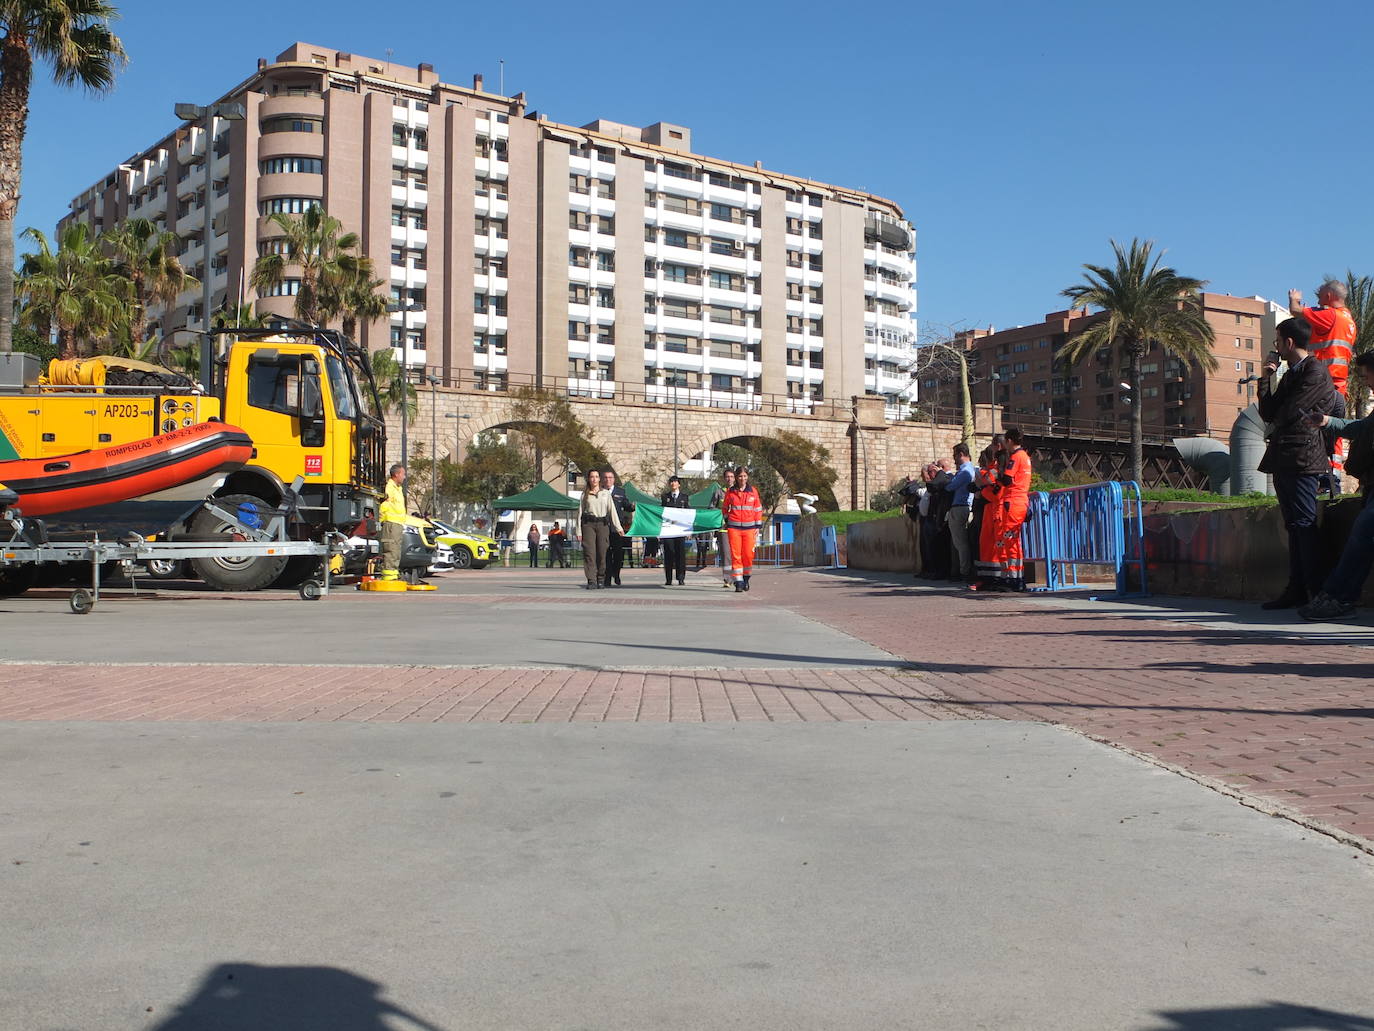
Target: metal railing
(1099, 525)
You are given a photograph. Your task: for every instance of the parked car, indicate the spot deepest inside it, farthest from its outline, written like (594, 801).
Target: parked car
(466, 550)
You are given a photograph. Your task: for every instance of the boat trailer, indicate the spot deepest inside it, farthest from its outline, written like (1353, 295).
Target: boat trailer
(28, 545)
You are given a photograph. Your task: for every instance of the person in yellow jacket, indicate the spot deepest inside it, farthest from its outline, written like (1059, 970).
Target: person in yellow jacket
(393, 522)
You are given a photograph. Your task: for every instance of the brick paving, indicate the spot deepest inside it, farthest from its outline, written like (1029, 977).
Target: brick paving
(1284, 721)
(436, 694)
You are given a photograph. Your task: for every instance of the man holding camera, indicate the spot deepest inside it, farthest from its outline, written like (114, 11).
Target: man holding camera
(1296, 456)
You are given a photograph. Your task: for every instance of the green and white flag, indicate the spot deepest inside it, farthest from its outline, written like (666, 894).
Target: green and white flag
(658, 521)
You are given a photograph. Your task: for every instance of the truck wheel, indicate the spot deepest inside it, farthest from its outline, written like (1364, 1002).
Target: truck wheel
(15, 580)
(462, 556)
(236, 574)
(299, 568)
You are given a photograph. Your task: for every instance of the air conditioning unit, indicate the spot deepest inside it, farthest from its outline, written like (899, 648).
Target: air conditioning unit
(737, 246)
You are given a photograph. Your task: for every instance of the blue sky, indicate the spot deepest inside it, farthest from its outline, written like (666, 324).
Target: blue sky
(1018, 137)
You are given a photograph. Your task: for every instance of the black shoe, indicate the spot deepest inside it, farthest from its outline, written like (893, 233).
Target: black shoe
(739, 587)
(588, 586)
(1286, 600)
(682, 583)
(746, 583)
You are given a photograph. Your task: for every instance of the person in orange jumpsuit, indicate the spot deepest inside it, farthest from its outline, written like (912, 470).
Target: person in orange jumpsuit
(743, 511)
(1333, 345)
(990, 469)
(1013, 501)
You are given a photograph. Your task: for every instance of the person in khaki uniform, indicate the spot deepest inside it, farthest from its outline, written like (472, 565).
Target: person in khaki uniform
(393, 515)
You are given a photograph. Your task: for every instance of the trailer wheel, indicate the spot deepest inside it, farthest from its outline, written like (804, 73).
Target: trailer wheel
(81, 601)
(236, 574)
(15, 580)
(299, 568)
(311, 590)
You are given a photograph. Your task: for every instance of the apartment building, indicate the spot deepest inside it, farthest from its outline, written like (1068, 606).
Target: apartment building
(607, 258)
(1021, 370)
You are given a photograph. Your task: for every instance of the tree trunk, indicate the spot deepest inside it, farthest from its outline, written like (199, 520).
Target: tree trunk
(1137, 422)
(16, 73)
(967, 397)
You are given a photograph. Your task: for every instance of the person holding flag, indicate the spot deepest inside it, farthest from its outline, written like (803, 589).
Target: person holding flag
(743, 514)
(672, 525)
(723, 538)
(674, 547)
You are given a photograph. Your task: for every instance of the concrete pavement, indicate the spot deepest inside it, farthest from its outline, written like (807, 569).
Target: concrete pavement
(936, 875)
(272, 836)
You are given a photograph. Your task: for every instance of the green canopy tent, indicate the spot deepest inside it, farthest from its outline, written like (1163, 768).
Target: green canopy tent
(540, 498)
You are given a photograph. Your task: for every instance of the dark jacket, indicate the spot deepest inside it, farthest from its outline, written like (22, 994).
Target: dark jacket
(940, 498)
(1359, 459)
(1295, 446)
(623, 507)
(680, 502)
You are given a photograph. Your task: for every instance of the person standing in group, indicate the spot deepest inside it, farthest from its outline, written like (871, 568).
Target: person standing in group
(1296, 455)
(595, 516)
(960, 489)
(743, 512)
(532, 539)
(723, 537)
(1340, 594)
(393, 517)
(1332, 345)
(989, 566)
(558, 543)
(615, 552)
(674, 548)
(1014, 500)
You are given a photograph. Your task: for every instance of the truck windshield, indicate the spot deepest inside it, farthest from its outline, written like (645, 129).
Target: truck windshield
(345, 407)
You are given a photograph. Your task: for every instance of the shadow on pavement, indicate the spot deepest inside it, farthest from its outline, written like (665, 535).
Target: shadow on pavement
(1271, 1016)
(249, 997)
(824, 660)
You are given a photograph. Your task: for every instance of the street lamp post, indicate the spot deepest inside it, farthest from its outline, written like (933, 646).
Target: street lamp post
(207, 114)
(433, 441)
(662, 381)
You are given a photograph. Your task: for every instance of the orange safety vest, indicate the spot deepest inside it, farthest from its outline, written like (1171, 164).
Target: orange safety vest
(743, 509)
(1333, 341)
(1018, 472)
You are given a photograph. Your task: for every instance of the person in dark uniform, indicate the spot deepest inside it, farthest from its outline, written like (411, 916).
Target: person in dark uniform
(615, 553)
(675, 548)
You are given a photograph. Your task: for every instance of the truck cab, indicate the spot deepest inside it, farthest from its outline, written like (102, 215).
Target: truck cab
(309, 403)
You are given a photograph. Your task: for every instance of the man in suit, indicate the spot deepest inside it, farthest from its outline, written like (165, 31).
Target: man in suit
(1296, 456)
(615, 553)
(675, 548)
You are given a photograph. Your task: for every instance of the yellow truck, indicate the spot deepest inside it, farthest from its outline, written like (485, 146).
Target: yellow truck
(305, 396)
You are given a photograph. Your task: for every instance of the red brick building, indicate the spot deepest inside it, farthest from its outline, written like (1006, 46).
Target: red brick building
(1020, 370)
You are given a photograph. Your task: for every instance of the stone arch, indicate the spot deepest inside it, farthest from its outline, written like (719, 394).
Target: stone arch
(760, 429)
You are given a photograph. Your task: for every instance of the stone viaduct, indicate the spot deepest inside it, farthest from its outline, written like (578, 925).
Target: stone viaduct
(866, 450)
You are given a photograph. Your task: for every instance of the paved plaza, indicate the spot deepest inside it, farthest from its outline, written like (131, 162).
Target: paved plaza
(842, 800)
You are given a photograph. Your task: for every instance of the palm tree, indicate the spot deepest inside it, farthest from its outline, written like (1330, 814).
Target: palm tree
(1360, 301)
(242, 315)
(1141, 303)
(393, 387)
(354, 297)
(77, 289)
(74, 37)
(147, 257)
(315, 244)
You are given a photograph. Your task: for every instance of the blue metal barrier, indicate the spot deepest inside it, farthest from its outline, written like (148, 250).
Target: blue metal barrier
(1087, 526)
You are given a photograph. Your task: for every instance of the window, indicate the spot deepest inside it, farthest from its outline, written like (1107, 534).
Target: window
(680, 171)
(681, 205)
(605, 261)
(676, 273)
(577, 293)
(399, 135)
(721, 245)
(678, 238)
(605, 224)
(1249, 343)
(579, 183)
(678, 344)
(605, 297)
(681, 309)
(292, 123)
(287, 205)
(605, 189)
(726, 280)
(284, 288)
(579, 331)
(579, 257)
(726, 316)
(285, 383)
(420, 137)
(479, 303)
(292, 166)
